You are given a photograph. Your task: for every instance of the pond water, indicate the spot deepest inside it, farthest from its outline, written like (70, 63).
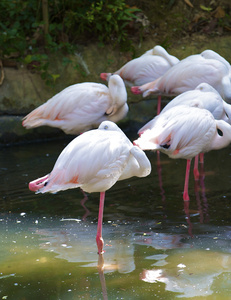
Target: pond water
(154, 247)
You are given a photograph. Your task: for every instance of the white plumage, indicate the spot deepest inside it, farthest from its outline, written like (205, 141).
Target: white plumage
(148, 67)
(94, 161)
(81, 107)
(208, 67)
(184, 132)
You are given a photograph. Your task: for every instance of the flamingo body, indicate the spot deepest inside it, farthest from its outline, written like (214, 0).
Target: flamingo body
(208, 67)
(81, 107)
(203, 96)
(184, 132)
(95, 161)
(148, 67)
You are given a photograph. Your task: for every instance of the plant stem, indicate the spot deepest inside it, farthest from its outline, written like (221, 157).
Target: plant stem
(45, 16)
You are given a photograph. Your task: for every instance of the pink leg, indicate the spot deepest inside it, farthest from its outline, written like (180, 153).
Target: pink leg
(195, 169)
(158, 104)
(201, 158)
(185, 194)
(99, 238)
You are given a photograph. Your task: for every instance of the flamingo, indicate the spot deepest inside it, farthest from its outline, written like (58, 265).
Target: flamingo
(146, 68)
(184, 132)
(203, 96)
(81, 107)
(94, 161)
(208, 67)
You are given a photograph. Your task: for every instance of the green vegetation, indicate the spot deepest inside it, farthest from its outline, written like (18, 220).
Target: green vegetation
(30, 30)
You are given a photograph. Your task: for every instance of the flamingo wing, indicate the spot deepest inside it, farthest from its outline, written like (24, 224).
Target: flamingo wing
(73, 110)
(93, 161)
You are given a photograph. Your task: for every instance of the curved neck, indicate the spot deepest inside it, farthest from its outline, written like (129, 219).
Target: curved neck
(223, 136)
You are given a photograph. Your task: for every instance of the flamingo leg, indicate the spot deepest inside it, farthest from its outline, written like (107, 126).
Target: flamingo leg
(158, 104)
(185, 194)
(99, 238)
(195, 169)
(201, 158)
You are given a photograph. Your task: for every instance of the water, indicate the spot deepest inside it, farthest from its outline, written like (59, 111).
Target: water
(154, 248)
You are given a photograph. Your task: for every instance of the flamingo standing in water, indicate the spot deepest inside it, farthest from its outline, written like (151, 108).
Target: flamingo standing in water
(203, 96)
(146, 68)
(82, 106)
(184, 132)
(208, 67)
(95, 161)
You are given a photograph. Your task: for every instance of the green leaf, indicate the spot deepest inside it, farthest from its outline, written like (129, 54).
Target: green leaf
(55, 76)
(205, 8)
(28, 59)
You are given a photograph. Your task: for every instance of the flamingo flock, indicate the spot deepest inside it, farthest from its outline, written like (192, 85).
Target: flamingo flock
(195, 121)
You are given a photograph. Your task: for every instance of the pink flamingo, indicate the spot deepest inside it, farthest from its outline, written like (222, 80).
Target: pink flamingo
(95, 161)
(82, 106)
(146, 68)
(208, 67)
(184, 132)
(203, 96)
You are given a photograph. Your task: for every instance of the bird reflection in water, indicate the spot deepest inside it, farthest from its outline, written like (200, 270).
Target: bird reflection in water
(82, 202)
(200, 187)
(100, 268)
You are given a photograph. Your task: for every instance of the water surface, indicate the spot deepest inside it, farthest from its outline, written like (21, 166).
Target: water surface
(155, 249)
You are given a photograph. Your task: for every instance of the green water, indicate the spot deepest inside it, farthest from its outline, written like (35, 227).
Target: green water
(153, 251)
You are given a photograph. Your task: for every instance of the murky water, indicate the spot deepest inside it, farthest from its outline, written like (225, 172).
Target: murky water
(153, 250)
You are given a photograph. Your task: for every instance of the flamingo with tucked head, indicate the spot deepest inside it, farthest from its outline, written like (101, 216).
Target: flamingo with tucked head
(94, 161)
(184, 132)
(203, 96)
(81, 107)
(208, 67)
(146, 68)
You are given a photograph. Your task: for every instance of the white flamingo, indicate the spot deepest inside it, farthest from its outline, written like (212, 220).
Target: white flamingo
(94, 161)
(208, 67)
(184, 132)
(203, 96)
(146, 68)
(82, 106)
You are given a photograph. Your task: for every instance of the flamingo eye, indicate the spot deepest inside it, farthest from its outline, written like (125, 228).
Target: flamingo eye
(219, 132)
(106, 127)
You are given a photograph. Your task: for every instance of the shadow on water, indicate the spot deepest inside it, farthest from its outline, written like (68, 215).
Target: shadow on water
(155, 247)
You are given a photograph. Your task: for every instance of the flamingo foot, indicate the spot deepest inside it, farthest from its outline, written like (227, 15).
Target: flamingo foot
(100, 243)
